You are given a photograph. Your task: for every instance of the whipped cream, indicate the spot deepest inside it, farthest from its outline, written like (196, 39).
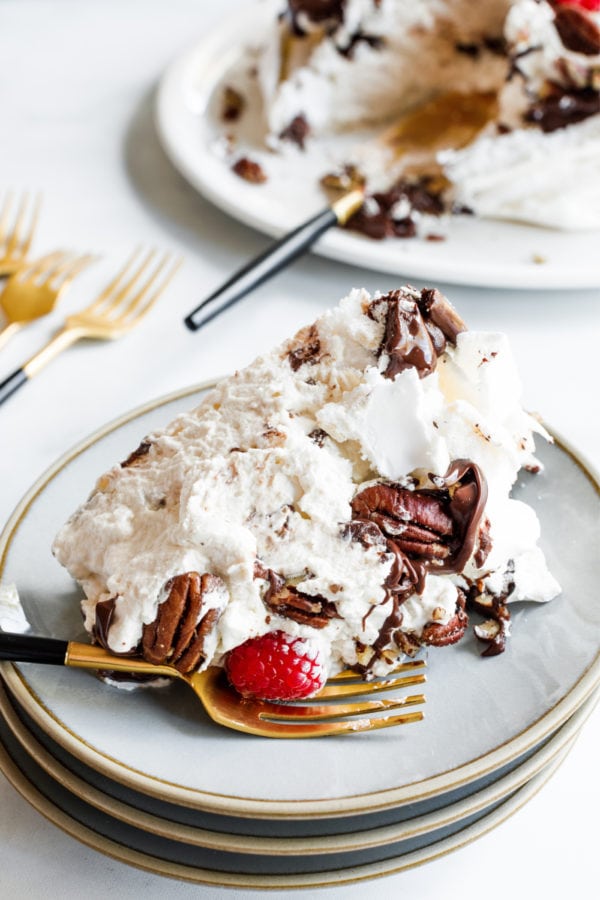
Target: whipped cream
(371, 67)
(266, 469)
(12, 615)
(539, 52)
(538, 161)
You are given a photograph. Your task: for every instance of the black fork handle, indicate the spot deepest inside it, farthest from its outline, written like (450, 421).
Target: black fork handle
(11, 384)
(29, 648)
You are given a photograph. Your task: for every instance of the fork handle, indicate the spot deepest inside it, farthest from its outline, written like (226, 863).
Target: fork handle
(27, 648)
(61, 340)
(274, 258)
(11, 384)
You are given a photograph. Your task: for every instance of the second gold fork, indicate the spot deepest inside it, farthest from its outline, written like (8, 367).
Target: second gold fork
(123, 303)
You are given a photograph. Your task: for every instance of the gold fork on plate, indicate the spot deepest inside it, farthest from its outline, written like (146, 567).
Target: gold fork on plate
(325, 715)
(35, 289)
(15, 240)
(122, 305)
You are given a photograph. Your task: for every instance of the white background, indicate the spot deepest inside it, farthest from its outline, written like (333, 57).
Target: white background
(77, 81)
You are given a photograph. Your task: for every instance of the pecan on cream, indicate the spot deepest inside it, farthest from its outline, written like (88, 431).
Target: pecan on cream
(286, 600)
(436, 634)
(434, 529)
(178, 633)
(417, 327)
(577, 31)
(136, 455)
(304, 348)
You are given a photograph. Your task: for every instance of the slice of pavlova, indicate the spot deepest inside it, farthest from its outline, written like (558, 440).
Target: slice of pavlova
(343, 500)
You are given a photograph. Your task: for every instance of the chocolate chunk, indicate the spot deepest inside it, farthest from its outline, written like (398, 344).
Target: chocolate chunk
(297, 131)
(562, 107)
(417, 328)
(305, 348)
(330, 12)
(138, 453)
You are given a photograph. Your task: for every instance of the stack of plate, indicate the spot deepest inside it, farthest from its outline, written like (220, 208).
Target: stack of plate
(145, 776)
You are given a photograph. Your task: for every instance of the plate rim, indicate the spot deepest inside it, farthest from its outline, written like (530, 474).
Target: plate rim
(113, 849)
(318, 845)
(337, 245)
(355, 804)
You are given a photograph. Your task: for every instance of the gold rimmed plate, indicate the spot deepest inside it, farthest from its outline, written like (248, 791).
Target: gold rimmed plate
(220, 836)
(482, 713)
(215, 867)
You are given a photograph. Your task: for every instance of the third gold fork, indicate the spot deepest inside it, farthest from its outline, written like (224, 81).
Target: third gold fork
(123, 303)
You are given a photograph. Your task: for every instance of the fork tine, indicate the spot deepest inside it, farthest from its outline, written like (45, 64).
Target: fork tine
(299, 713)
(115, 283)
(65, 272)
(26, 243)
(15, 236)
(135, 310)
(406, 666)
(6, 206)
(45, 265)
(374, 687)
(109, 300)
(332, 729)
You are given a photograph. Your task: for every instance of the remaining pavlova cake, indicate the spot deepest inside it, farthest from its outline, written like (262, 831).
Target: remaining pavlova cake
(338, 65)
(347, 493)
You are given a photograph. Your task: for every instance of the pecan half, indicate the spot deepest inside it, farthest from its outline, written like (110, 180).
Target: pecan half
(286, 600)
(438, 635)
(178, 633)
(435, 529)
(418, 325)
(577, 31)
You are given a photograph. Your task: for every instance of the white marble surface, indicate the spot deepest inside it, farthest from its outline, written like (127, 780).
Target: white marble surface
(76, 91)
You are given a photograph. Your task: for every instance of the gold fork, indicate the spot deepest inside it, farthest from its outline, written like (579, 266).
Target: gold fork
(321, 716)
(35, 289)
(16, 241)
(122, 304)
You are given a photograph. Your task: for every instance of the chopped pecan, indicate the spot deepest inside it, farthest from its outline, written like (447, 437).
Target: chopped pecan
(417, 327)
(438, 635)
(305, 348)
(178, 633)
(138, 453)
(249, 170)
(495, 629)
(577, 31)
(485, 544)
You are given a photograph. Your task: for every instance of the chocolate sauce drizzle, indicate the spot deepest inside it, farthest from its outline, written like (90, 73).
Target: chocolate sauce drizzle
(418, 326)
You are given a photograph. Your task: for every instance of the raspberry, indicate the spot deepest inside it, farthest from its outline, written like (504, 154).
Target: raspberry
(592, 5)
(275, 666)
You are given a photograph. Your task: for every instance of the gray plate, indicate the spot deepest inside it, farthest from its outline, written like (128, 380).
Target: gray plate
(481, 714)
